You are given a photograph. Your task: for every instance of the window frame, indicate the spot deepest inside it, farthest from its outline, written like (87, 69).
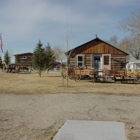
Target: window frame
(106, 60)
(82, 62)
(23, 57)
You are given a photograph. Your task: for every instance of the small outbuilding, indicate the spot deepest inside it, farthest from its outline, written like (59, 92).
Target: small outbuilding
(24, 59)
(97, 54)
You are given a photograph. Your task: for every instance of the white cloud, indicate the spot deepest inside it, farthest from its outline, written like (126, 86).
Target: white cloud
(22, 18)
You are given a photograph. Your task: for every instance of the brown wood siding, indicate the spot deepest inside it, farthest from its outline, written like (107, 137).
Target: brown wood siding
(98, 48)
(118, 62)
(88, 59)
(27, 61)
(72, 62)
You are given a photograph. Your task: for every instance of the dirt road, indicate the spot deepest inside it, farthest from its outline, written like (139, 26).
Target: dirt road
(38, 117)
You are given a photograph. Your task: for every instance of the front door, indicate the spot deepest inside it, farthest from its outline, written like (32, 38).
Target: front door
(101, 61)
(97, 61)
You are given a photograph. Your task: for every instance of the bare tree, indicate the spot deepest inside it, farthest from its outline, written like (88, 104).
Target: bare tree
(124, 44)
(68, 37)
(59, 52)
(132, 23)
(114, 41)
(134, 46)
(62, 51)
(131, 45)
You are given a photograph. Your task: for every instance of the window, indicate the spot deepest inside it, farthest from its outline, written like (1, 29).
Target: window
(23, 57)
(80, 60)
(106, 60)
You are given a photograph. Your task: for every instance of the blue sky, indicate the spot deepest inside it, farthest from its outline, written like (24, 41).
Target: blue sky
(24, 22)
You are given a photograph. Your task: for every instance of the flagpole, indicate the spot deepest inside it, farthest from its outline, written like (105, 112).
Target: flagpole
(1, 44)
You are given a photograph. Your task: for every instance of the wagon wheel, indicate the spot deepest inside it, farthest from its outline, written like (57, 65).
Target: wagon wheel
(71, 73)
(136, 80)
(63, 75)
(94, 75)
(72, 77)
(64, 72)
(123, 80)
(94, 78)
(77, 77)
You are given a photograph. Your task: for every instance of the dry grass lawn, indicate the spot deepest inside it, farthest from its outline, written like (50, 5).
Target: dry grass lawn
(52, 83)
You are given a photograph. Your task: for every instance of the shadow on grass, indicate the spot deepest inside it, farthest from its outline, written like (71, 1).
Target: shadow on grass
(52, 76)
(67, 87)
(109, 82)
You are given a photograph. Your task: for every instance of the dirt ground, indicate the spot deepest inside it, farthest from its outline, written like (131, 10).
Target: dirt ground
(34, 108)
(38, 117)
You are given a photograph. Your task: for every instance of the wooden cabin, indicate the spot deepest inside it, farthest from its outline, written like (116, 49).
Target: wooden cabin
(97, 54)
(24, 59)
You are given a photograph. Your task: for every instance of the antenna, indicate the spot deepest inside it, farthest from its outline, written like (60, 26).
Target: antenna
(96, 35)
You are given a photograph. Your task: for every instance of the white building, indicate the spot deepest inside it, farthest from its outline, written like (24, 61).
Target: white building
(133, 65)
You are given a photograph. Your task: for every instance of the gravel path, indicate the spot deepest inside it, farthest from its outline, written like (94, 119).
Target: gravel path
(38, 117)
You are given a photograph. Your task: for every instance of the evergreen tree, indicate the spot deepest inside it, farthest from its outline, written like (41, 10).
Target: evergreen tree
(7, 58)
(50, 58)
(39, 58)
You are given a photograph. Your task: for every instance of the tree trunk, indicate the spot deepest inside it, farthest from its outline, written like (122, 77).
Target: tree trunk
(39, 73)
(47, 71)
(67, 78)
(62, 76)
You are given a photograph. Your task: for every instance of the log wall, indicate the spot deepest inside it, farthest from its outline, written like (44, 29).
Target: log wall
(88, 60)
(73, 62)
(97, 46)
(27, 61)
(118, 62)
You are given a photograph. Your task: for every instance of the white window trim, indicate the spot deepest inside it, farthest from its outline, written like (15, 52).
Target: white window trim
(80, 61)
